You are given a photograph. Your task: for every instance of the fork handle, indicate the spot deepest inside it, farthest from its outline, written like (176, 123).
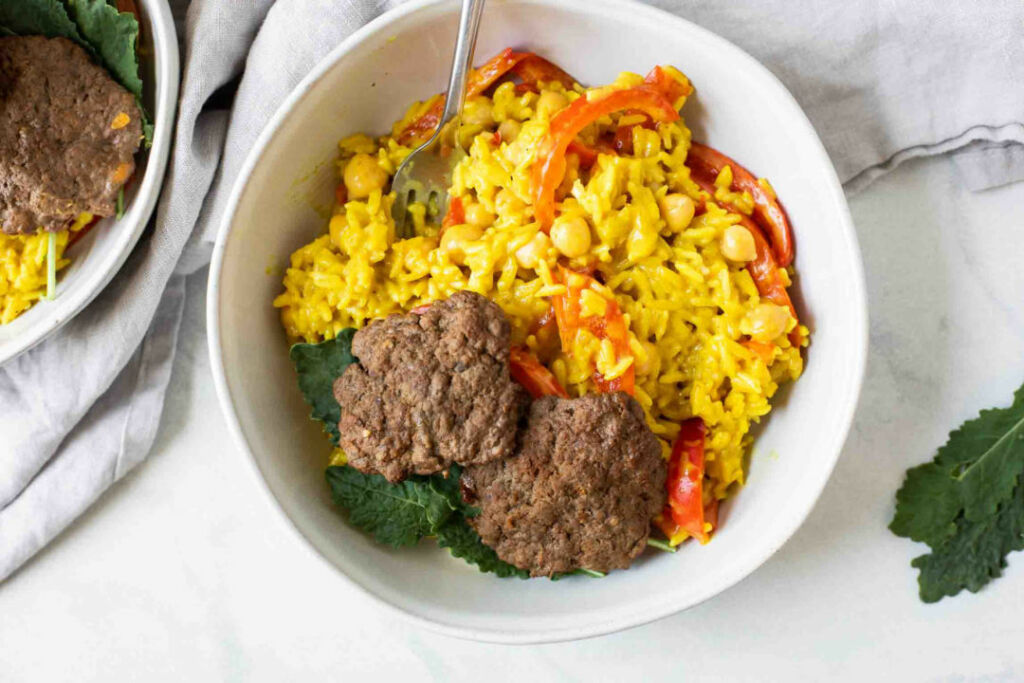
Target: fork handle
(465, 44)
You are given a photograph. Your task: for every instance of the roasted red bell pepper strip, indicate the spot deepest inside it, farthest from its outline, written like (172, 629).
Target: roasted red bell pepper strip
(479, 80)
(669, 86)
(549, 169)
(764, 269)
(422, 127)
(534, 377)
(488, 73)
(622, 140)
(611, 326)
(685, 480)
(711, 513)
(767, 211)
(128, 6)
(622, 143)
(456, 214)
(534, 69)
(586, 153)
(764, 351)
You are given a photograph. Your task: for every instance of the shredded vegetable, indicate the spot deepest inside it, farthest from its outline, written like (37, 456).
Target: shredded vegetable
(51, 266)
(661, 545)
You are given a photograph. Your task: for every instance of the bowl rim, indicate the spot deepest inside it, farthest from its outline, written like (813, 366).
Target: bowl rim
(136, 217)
(618, 621)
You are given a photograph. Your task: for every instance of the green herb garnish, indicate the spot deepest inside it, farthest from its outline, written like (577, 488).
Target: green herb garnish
(120, 204)
(967, 504)
(661, 545)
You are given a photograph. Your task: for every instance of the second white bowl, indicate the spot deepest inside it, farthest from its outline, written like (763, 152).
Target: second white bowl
(97, 257)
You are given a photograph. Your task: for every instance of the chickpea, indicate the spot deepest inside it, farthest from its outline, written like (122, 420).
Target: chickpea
(479, 112)
(766, 322)
(507, 202)
(738, 244)
(571, 235)
(509, 130)
(534, 251)
(455, 239)
(363, 175)
(478, 215)
(550, 102)
(677, 210)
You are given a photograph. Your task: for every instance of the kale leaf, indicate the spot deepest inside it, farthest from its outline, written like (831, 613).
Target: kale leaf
(112, 36)
(971, 475)
(109, 36)
(966, 503)
(450, 488)
(318, 365)
(975, 554)
(395, 514)
(462, 541)
(38, 17)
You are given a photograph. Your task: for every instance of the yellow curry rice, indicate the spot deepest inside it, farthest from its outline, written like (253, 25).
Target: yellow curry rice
(689, 309)
(23, 268)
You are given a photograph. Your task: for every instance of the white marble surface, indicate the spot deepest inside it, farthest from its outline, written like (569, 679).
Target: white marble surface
(179, 574)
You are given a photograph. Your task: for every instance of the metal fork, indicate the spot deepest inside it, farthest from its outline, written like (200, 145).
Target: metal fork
(426, 174)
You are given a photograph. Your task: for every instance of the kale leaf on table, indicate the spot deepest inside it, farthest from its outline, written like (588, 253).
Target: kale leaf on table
(975, 554)
(968, 503)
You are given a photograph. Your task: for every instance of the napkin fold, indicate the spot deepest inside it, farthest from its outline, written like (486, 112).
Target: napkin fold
(882, 83)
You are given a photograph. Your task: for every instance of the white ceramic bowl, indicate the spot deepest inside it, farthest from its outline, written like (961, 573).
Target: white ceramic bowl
(98, 256)
(364, 84)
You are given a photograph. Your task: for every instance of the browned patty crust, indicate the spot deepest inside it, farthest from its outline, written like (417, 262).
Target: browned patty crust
(582, 491)
(68, 135)
(430, 390)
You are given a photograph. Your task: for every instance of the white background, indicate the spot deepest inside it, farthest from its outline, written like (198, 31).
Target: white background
(179, 573)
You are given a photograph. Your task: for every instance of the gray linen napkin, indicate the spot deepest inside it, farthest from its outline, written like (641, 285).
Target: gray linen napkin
(882, 82)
